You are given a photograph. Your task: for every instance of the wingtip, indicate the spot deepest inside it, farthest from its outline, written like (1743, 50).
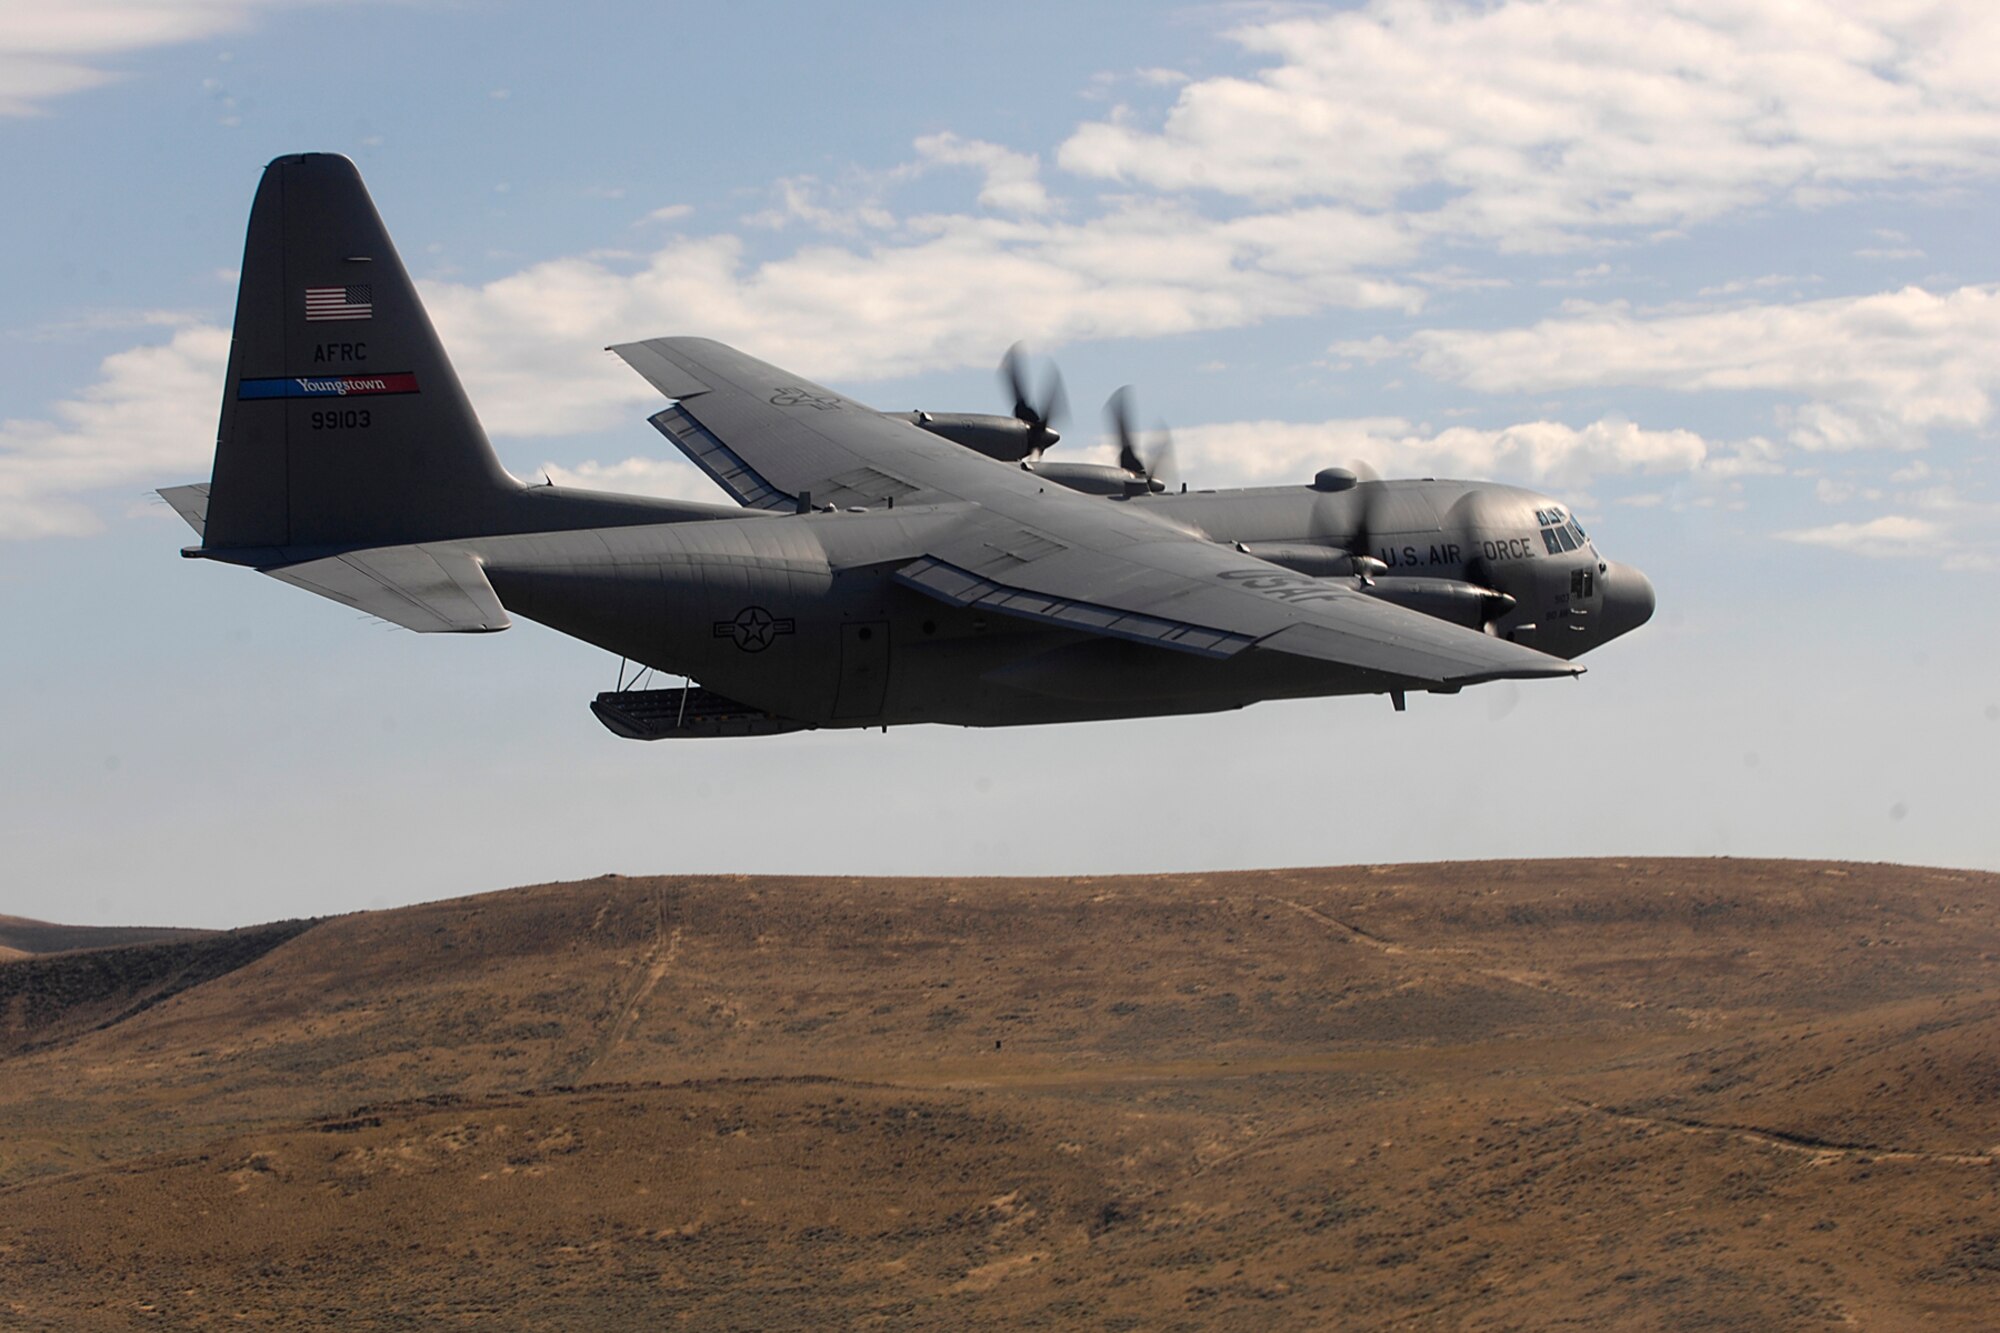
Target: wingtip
(1560, 671)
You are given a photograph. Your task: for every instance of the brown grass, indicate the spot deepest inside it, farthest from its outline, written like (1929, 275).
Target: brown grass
(19, 935)
(1648, 1094)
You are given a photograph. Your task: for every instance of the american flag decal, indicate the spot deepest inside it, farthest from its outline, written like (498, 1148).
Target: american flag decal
(355, 301)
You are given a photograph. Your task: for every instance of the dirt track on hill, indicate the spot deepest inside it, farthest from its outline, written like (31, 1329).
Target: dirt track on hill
(1641, 1093)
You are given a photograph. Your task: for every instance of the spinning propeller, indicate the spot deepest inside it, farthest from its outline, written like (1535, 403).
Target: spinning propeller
(1039, 420)
(1156, 469)
(1360, 546)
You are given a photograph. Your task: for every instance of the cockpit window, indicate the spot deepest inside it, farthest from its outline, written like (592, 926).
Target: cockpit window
(1560, 533)
(1555, 530)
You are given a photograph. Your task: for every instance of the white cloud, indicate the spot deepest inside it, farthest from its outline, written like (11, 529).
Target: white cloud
(1940, 524)
(838, 211)
(1536, 453)
(1539, 120)
(1544, 122)
(152, 411)
(855, 204)
(1593, 276)
(528, 345)
(1891, 534)
(671, 477)
(27, 82)
(1872, 371)
(110, 320)
(1738, 286)
(51, 50)
(950, 293)
(1013, 180)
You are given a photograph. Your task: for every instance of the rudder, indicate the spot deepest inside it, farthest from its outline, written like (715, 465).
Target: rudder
(343, 423)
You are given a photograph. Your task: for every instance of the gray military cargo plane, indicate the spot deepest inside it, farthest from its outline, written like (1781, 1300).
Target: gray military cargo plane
(876, 569)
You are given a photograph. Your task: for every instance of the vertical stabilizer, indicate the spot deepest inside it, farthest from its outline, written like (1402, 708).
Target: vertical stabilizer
(342, 421)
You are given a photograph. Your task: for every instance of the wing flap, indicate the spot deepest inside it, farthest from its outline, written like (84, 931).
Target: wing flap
(724, 466)
(959, 587)
(432, 590)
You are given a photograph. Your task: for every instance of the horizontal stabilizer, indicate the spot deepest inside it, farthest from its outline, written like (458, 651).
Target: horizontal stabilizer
(190, 502)
(430, 589)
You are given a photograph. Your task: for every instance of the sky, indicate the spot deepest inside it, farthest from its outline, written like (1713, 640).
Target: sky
(1718, 275)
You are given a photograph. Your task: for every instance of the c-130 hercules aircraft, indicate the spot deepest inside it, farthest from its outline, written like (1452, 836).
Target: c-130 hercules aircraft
(879, 569)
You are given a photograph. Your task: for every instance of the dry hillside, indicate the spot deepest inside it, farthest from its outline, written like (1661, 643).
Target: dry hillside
(1644, 1094)
(20, 936)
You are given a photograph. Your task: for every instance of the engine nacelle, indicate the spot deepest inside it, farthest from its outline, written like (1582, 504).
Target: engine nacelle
(1321, 562)
(1094, 478)
(1004, 438)
(1451, 600)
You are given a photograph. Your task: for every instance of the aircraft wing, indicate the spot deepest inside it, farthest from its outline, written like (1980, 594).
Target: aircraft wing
(769, 437)
(1196, 596)
(1027, 548)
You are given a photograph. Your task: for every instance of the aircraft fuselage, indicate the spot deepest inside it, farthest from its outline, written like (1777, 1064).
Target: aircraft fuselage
(801, 617)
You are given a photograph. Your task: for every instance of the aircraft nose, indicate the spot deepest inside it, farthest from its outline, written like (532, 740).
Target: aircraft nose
(1628, 599)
